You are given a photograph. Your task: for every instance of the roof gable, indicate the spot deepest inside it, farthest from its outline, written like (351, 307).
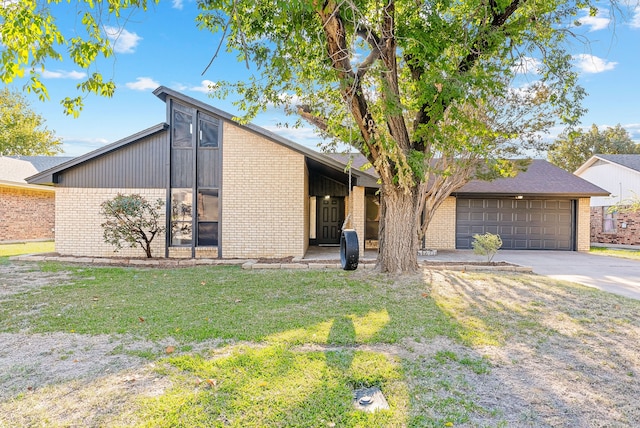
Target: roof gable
(47, 176)
(630, 162)
(165, 93)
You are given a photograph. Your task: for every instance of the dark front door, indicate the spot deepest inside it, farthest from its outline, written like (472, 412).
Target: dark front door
(329, 220)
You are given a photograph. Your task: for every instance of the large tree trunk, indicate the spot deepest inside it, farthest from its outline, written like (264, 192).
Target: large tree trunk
(398, 234)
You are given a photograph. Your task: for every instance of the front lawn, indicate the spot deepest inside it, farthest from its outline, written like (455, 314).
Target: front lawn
(222, 346)
(617, 252)
(7, 250)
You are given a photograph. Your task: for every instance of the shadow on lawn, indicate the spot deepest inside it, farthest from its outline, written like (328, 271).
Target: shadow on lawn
(568, 354)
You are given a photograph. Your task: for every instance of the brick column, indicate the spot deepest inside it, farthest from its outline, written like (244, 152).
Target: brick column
(358, 218)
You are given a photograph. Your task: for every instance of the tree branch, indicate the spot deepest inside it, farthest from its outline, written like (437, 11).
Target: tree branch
(481, 43)
(305, 112)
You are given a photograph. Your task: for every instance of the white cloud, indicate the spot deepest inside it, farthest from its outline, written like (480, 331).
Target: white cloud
(592, 64)
(527, 65)
(635, 17)
(177, 4)
(143, 84)
(634, 130)
(595, 23)
(61, 74)
(123, 41)
(206, 86)
(307, 136)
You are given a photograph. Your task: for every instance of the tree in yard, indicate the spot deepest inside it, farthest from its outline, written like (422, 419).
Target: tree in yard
(575, 147)
(22, 131)
(629, 205)
(131, 220)
(426, 90)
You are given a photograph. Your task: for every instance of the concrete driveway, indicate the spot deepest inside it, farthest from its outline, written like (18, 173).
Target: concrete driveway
(613, 274)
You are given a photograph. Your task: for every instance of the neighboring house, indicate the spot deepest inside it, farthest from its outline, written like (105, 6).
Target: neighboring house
(240, 191)
(620, 176)
(26, 210)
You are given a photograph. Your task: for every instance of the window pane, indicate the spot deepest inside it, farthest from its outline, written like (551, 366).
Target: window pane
(207, 234)
(208, 205)
(181, 216)
(373, 217)
(182, 129)
(181, 233)
(608, 221)
(208, 134)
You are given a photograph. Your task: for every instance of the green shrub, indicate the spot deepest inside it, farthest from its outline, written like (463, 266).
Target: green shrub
(486, 245)
(131, 220)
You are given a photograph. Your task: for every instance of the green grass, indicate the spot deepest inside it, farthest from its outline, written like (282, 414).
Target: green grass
(615, 252)
(276, 386)
(288, 348)
(197, 304)
(7, 250)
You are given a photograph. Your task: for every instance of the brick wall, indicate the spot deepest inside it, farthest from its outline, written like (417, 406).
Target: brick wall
(26, 214)
(357, 206)
(583, 240)
(441, 234)
(264, 202)
(78, 221)
(629, 235)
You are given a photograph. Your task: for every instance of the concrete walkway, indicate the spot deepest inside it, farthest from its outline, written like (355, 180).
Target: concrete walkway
(613, 274)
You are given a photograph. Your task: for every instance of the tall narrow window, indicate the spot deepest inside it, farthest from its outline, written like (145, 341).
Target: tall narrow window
(608, 221)
(182, 129)
(208, 134)
(208, 208)
(373, 217)
(181, 217)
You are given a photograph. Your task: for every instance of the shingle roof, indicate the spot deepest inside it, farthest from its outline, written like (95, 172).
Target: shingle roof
(540, 179)
(357, 161)
(630, 161)
(40, 163)
(18, 168)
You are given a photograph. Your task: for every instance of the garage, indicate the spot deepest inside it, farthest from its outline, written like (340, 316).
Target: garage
(523, 224)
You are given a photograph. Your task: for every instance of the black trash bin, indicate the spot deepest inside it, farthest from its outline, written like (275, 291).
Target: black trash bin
(349, 249)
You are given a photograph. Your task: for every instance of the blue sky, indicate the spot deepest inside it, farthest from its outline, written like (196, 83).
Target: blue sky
(164, 47)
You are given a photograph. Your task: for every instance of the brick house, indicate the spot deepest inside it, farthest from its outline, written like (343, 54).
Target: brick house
(620, 176)
(240, 191)
(27, 211)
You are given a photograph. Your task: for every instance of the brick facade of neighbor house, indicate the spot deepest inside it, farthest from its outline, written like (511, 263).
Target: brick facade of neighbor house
(265, 197)
(27, 214)
(78, 231)
(626, 232)
(441, 234)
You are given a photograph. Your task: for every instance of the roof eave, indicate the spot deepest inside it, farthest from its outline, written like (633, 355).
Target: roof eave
(16, 185)
(46, 176)
(567, 195)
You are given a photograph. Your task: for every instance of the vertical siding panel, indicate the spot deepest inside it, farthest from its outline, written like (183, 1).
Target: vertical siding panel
(137, 165)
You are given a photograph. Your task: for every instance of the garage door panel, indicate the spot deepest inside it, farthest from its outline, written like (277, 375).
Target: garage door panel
(491, 229)
(521, 223)
(520, 216)
(519, 244)
(535, 244)
(477, 216)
